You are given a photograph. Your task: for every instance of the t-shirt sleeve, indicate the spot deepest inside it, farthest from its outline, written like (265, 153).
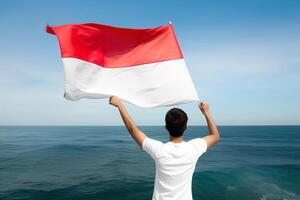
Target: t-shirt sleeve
(151, 147)
(200, 145)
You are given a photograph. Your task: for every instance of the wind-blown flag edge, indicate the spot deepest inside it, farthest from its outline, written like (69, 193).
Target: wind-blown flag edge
(161, 82)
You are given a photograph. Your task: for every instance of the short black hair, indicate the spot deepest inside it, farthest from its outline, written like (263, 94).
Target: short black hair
(176, 121)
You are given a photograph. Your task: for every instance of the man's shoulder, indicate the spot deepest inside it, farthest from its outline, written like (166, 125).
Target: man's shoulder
(152, 146)
(200, 144)
(151, 142)
(149, 139)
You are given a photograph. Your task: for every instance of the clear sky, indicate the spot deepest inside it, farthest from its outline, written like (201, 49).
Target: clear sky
(243, 56)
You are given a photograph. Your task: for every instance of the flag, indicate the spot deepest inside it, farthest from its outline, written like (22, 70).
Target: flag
(142, 66)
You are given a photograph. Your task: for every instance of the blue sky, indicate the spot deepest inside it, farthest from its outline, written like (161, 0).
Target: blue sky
(243, 56)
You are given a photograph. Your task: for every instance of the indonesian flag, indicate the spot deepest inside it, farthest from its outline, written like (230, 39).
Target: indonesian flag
(142, 66)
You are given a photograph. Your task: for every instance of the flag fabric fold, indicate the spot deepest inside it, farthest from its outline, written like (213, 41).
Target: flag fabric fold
(142, 66)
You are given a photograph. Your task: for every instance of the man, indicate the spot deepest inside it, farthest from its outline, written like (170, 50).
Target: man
(175, 160)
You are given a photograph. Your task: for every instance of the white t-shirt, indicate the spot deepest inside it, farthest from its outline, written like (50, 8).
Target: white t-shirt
(175, 164)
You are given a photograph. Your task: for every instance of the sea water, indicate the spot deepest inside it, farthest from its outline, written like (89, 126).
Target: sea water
(85, 163)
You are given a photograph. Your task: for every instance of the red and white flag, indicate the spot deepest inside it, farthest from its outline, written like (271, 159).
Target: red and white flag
(142, 66)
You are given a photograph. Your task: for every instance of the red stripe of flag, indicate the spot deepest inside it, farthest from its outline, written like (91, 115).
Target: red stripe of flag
(114, 47)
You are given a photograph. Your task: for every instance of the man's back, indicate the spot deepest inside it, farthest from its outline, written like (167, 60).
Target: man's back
(175, 164)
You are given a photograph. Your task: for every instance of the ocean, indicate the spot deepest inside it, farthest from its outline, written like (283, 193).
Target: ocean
(104, 163)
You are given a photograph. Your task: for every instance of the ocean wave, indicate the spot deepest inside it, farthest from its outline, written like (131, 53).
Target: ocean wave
(271, 191)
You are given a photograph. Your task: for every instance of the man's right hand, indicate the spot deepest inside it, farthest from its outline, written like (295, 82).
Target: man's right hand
(204, 108)
(214, 135)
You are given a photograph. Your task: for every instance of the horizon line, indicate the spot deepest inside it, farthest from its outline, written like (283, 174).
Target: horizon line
(155, 125)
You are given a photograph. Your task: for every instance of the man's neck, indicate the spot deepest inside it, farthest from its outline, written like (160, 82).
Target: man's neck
(176, 139)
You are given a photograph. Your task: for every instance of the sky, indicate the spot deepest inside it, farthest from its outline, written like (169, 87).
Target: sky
(243, 57)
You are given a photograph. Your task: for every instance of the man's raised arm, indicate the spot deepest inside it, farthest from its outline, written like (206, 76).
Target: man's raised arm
(136, 134)
(212, 128)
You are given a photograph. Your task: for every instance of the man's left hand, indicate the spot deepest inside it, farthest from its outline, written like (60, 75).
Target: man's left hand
(115, 101)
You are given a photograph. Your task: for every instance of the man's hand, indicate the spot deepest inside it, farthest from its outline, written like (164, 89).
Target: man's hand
(115, 101)
(136, 134)
(214, 135)
(204, 108)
